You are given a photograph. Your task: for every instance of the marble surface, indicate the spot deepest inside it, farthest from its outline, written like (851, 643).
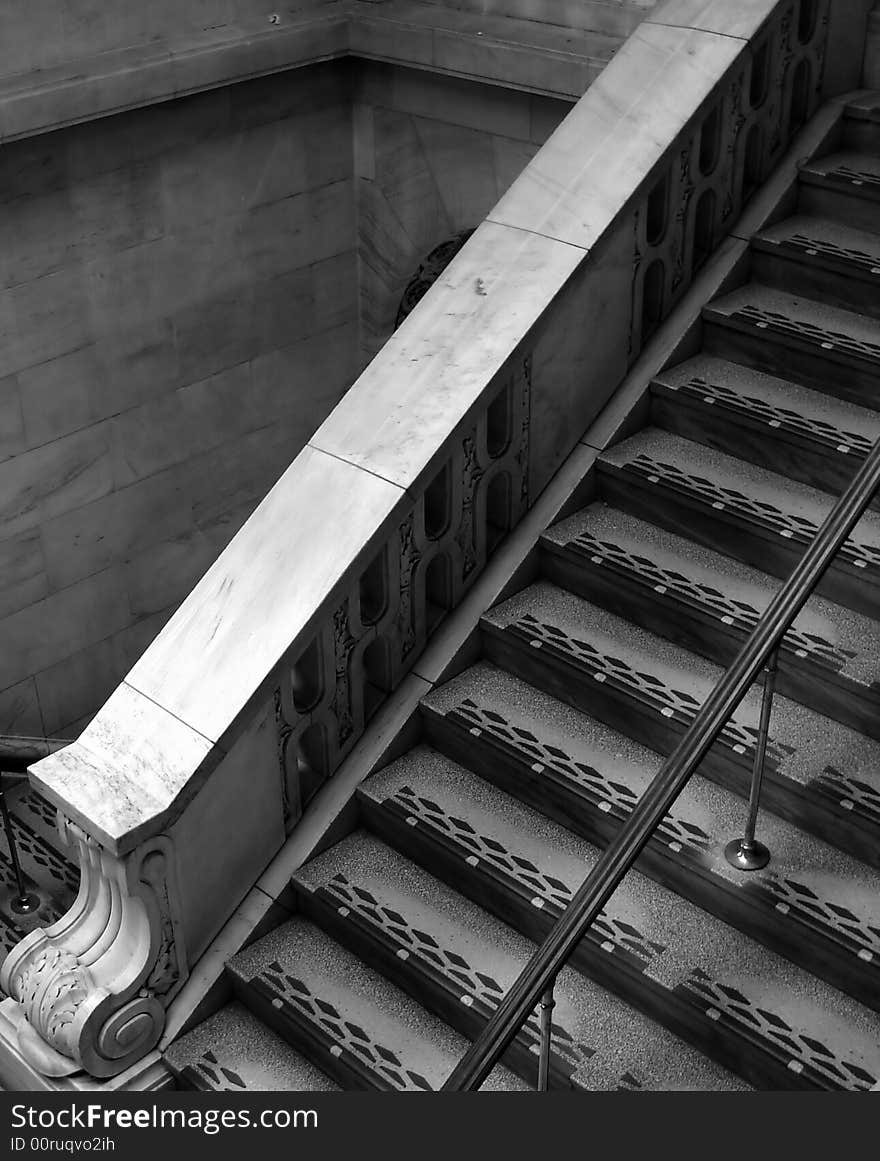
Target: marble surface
(127, 460)
(125, 770)
(742, 19)
(321, 521)
(425, 382)
(610, 142)
(432, 156)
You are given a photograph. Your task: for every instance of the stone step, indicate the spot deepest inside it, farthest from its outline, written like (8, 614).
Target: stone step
(348, 1020)
(459, 961)
(821, 259)
(49, 872)
(819, 774)
(860, 128)
(813, 904)
(821, 346)
(233, 1051)
(752, 1011)
(844, 186)
(741, 510)
(830, 659)
(806, 435)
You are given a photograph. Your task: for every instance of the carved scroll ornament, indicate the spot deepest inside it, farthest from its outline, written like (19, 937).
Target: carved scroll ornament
(93, 987)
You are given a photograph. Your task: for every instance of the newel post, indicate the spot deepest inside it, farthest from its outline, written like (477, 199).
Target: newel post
(90, 991)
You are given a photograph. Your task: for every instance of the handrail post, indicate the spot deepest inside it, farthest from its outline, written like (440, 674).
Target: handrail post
(547, 1005)
(25, 902)
(747, 853)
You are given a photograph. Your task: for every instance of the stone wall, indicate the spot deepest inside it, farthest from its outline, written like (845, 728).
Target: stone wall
(37, 34)
(178, 313)
(432, 157)
(185, 293)
(618, 17)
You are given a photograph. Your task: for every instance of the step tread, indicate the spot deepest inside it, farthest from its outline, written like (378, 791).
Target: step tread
(234, 1051)
(791, 407)
(781, 506)
(575, 750)
(838, 331)
(355, 1009)
(824, 631)
(805, 744)
(681, 947)
(811, 236)
(850, 167)
(610, 1044)
(864, 107)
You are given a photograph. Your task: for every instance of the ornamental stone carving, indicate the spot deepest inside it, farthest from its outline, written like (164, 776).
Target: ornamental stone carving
(93, 987)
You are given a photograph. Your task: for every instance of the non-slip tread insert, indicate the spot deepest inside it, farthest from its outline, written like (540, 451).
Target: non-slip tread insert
(670, 567)
(673, 682)
(234, 1051)
(849, 168)
(809, 883)
(806, 236)
(740, 490)
(786, 408)
(827, 329)
(355, 1012)
(717, 971)
(434, 929)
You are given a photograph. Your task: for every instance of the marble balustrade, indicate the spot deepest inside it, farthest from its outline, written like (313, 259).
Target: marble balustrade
(259, 683)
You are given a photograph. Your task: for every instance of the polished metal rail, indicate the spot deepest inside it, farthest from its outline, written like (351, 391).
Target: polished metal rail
(538, 976)
(17, 752)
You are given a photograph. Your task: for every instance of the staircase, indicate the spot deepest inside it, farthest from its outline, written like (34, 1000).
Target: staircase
(409, 930)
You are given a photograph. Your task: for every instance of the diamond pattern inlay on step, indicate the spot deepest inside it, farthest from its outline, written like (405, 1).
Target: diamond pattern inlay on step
(479, 986)
(612, 796)
(544, 888)
(736, 613)
(847, 168)
(775, 416)
(810, 237)
(825, 337)
(232, 1051)
(677, 704)
(353, 1017)
(805, 1052)
(740, 492)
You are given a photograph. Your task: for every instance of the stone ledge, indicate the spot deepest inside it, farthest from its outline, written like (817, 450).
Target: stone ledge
(521, 54)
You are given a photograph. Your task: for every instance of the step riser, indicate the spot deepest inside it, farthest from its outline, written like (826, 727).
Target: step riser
(690, 877)
(766, 351)
(665, 1006)
(861, 135)
(837, 203)
(705, 634)
(811, 279)
(468, 1020)
(770, 553)
(809, 462)
(788, 800)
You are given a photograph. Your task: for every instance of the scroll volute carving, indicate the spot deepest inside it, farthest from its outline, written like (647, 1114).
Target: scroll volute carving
(93, 987)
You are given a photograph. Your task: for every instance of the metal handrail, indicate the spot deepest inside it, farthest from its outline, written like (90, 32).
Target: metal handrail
(17, 752)
(540, 972)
